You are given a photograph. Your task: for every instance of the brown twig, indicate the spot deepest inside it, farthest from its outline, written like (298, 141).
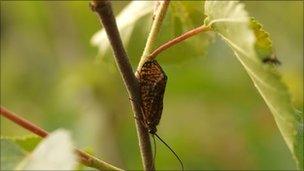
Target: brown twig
(84, 157)
(105, 13)
(177, 40)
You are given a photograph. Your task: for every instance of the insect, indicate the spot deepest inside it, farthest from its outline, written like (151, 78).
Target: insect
(272, 59)
(152, 82)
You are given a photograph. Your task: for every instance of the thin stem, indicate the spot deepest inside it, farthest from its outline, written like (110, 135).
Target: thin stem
(105, 13)
(23, 122)
(84, 157)
(155, 28)
(177, 40)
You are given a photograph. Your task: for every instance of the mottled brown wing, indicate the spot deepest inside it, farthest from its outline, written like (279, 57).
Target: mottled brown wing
(157, 102)
(152, 80)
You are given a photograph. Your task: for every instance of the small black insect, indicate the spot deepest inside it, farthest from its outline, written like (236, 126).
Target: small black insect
(272, 59)
(152, 82)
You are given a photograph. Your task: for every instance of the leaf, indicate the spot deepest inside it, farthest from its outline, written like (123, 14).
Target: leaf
(11, 154)
(27, 143)
(13, 150)
(263, 44)
(55, 152)
(230, 20)
(126, 20)
(181, 17)
(188, 13)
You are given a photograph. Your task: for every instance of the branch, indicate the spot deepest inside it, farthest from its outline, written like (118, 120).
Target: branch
(177, 40)
(155, 28)
(84, 157)
(105, 13)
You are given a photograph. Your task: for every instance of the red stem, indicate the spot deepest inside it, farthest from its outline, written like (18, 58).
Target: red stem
(85, 158)
(177, 40)
(29, 126)
(23, 122)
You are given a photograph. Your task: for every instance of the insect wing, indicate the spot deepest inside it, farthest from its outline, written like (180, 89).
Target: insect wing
(156, 104)
(152, 85)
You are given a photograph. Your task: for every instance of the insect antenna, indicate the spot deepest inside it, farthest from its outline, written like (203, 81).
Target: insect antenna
(180, 161)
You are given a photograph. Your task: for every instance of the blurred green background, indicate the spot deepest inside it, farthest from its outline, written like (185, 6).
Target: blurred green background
(213, 116)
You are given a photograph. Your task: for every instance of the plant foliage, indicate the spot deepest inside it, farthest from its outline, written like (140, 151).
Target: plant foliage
(55, 152)
(230, 20)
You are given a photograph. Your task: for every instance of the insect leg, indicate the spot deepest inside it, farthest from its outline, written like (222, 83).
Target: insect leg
(143, 115)
(142, 111)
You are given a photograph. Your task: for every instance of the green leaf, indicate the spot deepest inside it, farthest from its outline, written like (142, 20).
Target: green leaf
(263, 45)
(11, 154)
(13, 150)
(55, 152)
(230, 20)
(181, 17)
(27, 143)
(188, 13)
